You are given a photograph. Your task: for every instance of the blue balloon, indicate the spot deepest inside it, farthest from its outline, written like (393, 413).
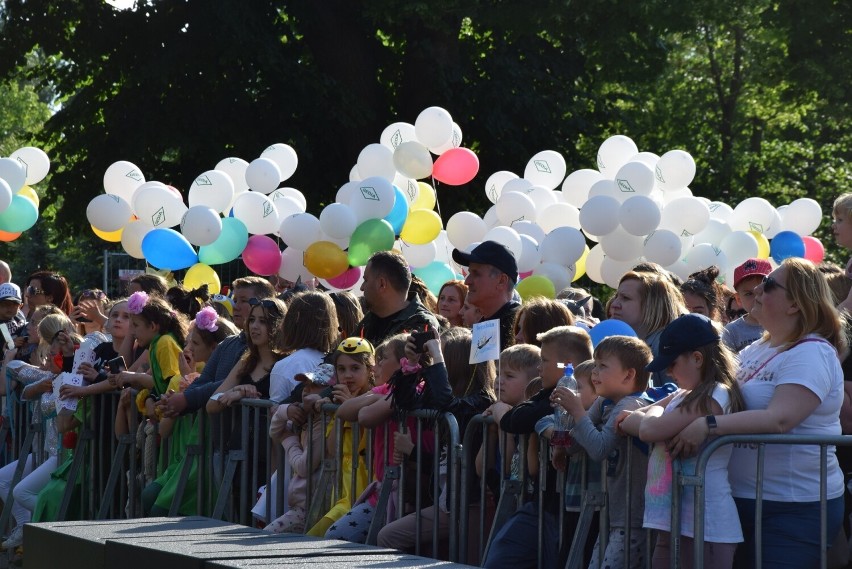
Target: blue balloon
(228, 245)
(399, 213)
(435, 274)
(168, 249)
(786, 244)
(611, 327)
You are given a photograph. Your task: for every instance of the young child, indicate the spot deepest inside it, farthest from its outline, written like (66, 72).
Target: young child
(516, 544)
(297, 442)
(353, 363)
(620, 378)
(705, 372)
(745, 330)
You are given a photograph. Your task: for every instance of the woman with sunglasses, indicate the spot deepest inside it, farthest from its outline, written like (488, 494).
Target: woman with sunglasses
(792, 382)
(89, 312)
(47, 287)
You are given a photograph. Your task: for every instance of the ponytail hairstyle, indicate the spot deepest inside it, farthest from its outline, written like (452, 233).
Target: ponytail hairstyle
(156, 310)
(212, 328)
(719, 367)
(188, 301)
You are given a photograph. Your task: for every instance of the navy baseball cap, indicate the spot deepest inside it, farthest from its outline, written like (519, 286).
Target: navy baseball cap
(684, 334)
(490, 253)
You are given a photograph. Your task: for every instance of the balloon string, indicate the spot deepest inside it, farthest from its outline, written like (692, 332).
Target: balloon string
(438, 205)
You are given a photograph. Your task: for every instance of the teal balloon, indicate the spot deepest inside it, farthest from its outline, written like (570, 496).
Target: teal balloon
(399, 213)
(228, 246)
(371, 236)
(19, 216)
(168, 249)
(435, 274)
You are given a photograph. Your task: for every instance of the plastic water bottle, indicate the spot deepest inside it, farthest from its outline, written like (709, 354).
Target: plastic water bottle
(562, 428)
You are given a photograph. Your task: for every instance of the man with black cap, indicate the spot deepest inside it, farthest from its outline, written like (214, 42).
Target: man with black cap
(492, 273)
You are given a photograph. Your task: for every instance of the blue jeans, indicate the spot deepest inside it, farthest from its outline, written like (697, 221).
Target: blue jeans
(790, 532)
(515, 546)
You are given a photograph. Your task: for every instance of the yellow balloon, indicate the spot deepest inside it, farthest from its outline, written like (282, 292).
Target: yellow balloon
(326, 260)
(580, 265)
(30, 194)
(201, 274)
(762, 244)
(421, 227)
(425, 199)
(111, 236)
(536, 285)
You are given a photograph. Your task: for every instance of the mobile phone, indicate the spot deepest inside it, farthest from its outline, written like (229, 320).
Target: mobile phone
(116, 365)
(420, 339)
(82, 319)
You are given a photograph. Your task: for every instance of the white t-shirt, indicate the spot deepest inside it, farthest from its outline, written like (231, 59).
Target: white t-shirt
(281, 378)
(791, 472)
(721, 521)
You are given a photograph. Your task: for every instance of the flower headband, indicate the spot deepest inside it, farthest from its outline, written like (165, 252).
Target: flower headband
(207, 319)
(137, 302)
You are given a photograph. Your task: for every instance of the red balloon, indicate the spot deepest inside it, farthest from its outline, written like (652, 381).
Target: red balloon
(814, 251)
(347, 279)
(456, 166)
(261, 255)
(8, 236)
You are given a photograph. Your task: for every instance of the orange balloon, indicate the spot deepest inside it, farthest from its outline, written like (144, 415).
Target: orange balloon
(326, 260)
(6, 236)
(111, 236)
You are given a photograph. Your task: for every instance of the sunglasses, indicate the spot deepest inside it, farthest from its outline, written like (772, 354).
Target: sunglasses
(92, 293)
(266, 303)
(33, 291)
(770, 284)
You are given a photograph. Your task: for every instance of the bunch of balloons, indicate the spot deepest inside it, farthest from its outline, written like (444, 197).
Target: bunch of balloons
(21, 170)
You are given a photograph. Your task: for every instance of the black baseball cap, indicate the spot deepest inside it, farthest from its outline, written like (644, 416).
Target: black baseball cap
(490, 253)
(684, 334)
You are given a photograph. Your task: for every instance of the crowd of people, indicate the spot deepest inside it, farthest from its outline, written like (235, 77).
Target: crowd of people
(769, 355)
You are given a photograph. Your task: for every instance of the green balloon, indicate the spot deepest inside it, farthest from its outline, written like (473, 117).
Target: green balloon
(19, 216)
(371, 236)
(536, 285)
(228, 245)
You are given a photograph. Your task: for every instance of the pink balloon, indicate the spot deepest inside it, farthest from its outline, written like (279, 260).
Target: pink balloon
(456, 166)
(261, 255)
(347, 279)
(525, 275)
(814, 251)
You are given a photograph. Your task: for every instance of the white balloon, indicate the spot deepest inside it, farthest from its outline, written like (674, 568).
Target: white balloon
(418, 255)
(752, 214)
(720, 211)
(521, 185)
(635, 178)
(648, 158)
(715, 231)
(213, 188)
(285, 205)
(614, 153)
(680, 269)
(598, 215)
(508, 237)
(639, 215)
(542, 198)
(575, 188)
(621, 246)
(433, 127)
(606, 187)
(530, 256)
(559, 215)
(5, 195)
(738, 247)
(354, 174)
(530, 228)
(157, 205)
(372, 199)
(557, 274)
(612, 271)
(669, 197)
(397, 133)
(289, 193)
(490, 218)
(293, 267)
(201, 225)
(563, 246)
(515, 206)
(300, 230)
(344, 194)
(802, 217)
(412, 160)
(685, 216)
(132, 236)
(662, 247)
(376, 160)
(285, 156)
(675, 170)
(594, 260)
(236, 169)
(122, 179)
(547, 168)
(263, 175)
(775, 226)
(258, 212)
(342, 243)
(338, 221)
(108, 212)
(495, 182)
(705, 255)
(34, 161)
(464, 228)
(454, 141)
(407, 186)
